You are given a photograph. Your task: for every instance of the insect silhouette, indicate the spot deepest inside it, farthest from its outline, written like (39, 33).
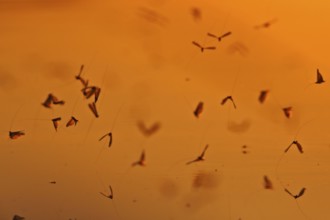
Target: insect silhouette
(219, 37)
(266, 24)
(203, 48)
(79, 77)
(199, 109)
(92, 107)
(301, 193)
(51, 99)
(148, 131)
(196, 13)
(52, 182)
(263, 96)
(267, 183)
(110, 196)
(56, 122)
(72, 121)
(110, 138)
(16, 134)
(319, 77)
(141, 161)
(17, 217)
(295, 142)
(287, 112)
(89, 91)
(200, 157)
(228, 98)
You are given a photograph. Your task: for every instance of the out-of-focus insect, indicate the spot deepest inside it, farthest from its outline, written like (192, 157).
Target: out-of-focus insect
(266, 24)
(199, 109)
(295, 142)
(110, 138)
(263, 96)
(92, 107)
(51, 99)
(219, 37)
(200, 157)
(287, 111)
(203, 48)
(228, 98)
(56, 122)
(148, 131)
(16, 134)
(90, 91)
(110, 196)
(302, 191)
(239, 48)
(52, 182)
(196, 13)
(319, 77)
(17, 217)
(141, 161)
(72, 121)
(267, 183)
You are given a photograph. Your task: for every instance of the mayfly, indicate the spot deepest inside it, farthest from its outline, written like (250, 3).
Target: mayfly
(141, 161)
(110, 138)
(72, 121)
(200, 157)
(199, 109)
(219, 37)
(56, 122)
(203, 48)
(228, 98)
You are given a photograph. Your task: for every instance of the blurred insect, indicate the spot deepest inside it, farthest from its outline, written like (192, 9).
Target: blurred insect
(287, 112)
(141, 161)
(152, 16)
(51, 99)
(110, 138)
(16, 134)
(319, 78)
(267, 183)
(17, 217)
(301, 193)
(110, 196)
(219, 37)
(52, 182)
(82, 80)
(72, 121)
(295, 142)
(199, 109)
(56, 122)
(148, 131)
(200, 157)
(203, 48)
(92, 107)
(244, 149)
(228, 98)
(196, 13)
(266, 24)
(239, 48)
(263, 96)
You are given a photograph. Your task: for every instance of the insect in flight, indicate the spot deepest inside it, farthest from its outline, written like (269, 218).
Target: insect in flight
(219, 37)
(200, 157)
(203, 48)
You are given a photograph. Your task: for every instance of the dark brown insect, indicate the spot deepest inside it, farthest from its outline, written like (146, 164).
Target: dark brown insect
(263, 96)
(302, 191)
(56, 122)
(196, 13)
(89, 91)
(287, 112)
(51, 99)
(203, 48)
(295, 142)
(92, 107)
(141, 161)
(267, 183)
(15, 134)
(319, 78)
(110, 196)
(110, 138)
(79, 77)
(200, 157)
(199, 109)
(266, 24)
(219, 37)
(72, 121)
(148, 131)
(228, 98)
(52, 182)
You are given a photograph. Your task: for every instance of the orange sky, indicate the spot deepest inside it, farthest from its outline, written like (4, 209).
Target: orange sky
(141, 55)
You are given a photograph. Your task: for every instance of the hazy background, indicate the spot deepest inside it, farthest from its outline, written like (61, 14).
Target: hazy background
(140, 54)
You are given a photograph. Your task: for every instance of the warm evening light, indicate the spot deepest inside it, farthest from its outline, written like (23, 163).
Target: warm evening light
(161, 109)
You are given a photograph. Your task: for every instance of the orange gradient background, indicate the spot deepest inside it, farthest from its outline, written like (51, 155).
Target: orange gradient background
(140, 54)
